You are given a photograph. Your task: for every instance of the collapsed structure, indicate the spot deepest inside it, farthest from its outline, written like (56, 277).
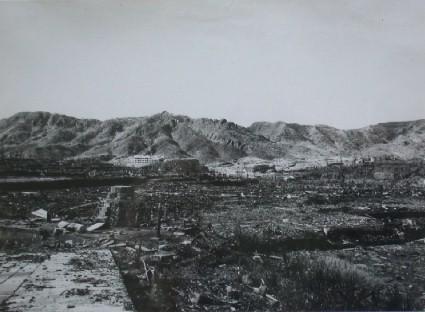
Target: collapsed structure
(118, 208)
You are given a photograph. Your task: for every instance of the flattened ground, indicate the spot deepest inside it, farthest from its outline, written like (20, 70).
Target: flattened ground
(87, 280)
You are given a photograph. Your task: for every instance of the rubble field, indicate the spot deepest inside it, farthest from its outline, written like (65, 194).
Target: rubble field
(215, 244)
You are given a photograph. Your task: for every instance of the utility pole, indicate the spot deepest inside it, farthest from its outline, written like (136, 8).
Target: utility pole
(158, 226)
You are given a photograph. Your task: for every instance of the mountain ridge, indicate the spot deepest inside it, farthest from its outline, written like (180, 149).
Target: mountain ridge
(50, 135)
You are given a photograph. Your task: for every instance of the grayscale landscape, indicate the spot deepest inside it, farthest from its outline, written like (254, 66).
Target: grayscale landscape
(212, 155)
(214, 216)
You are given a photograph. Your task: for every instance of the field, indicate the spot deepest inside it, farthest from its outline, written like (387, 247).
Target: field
(230, 244)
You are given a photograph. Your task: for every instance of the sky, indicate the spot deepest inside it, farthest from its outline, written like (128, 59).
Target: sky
(345, 63)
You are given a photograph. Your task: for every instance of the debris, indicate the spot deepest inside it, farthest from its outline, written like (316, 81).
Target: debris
(204, 299)
(257, 258)
(272, 298)
(74, 227)
(144, 249)
(261, 289)
(62, 224)
(108, 243)
(326, 231)
(130, 249)
(246, 279)
(95, 227)
(118, 245)
(69, 244)
(40, 213)
(162, 246)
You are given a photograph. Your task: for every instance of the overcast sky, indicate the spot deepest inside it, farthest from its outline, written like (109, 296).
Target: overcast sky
(338, 62)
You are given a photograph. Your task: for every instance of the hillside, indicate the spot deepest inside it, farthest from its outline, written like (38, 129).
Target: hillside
(46, 135)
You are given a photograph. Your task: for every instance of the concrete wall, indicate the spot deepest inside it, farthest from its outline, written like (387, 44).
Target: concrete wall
(121, 206)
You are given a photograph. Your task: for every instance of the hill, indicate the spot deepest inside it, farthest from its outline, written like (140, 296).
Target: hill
(46, 135)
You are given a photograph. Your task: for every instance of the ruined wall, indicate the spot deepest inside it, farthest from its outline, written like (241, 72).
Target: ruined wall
(121, 210)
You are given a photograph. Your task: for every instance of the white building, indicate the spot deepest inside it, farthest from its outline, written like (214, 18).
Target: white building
(143, 160)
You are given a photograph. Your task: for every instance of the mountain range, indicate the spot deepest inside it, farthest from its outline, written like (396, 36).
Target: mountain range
(54, 136)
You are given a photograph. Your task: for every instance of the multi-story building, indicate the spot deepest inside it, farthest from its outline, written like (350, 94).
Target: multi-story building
(143, 160)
